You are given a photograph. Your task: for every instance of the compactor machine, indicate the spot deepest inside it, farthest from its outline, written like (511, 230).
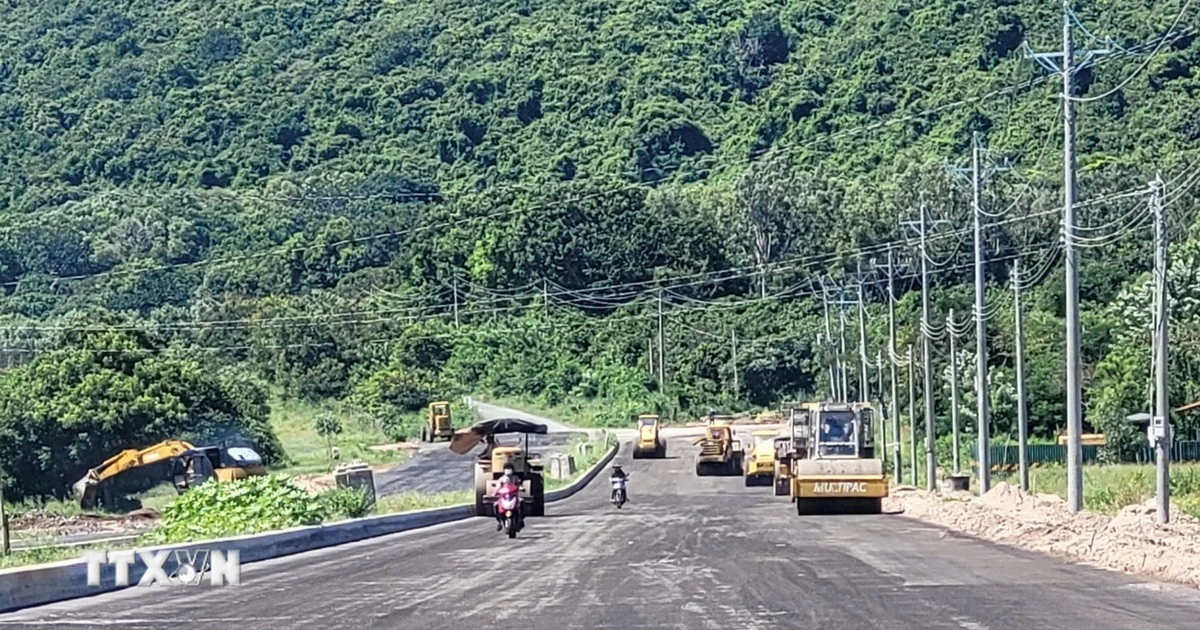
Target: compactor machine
(490, 465)
(840, 473)
(438, 425)
(759, 459)
(792, 448)
(650, 442)
(719, 452)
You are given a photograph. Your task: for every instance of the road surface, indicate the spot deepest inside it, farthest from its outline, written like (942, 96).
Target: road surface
(687, 552)
(433, 468)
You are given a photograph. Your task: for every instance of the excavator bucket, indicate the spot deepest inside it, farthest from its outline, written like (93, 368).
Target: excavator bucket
(85, 489)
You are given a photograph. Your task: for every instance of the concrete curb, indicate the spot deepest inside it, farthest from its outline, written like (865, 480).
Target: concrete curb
(37, 585)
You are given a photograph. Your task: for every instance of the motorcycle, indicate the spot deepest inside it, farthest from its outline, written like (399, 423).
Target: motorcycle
(508, 508)
(618, 493)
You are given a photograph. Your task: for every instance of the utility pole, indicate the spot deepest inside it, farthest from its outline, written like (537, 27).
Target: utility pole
(912, 418)
(455, 289)
(833, 371)
(864, 387)
(883, 405)
(898, 448)
(923, 226)
(662, 374)
(842, 353)
(1022, 410)
(1067, 67)
(954, 397)
(5, 547)
(733, 360)
(1160, 424)
(650, 355)
(977, 174)
(546, 296)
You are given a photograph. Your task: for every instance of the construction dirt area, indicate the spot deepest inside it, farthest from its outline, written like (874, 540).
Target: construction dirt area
(1131, 541)
(36, 524)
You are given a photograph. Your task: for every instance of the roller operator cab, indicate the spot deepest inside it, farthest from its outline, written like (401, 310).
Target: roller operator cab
(650, 442)
(840, 473)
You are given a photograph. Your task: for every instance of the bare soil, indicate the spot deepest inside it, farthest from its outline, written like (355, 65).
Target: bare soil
(1132, 541)
(38, 523)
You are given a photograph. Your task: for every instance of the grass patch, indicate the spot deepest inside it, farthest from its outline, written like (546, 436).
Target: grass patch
(409, 501)
(28, 557)
(307, 452)
(1108, 488)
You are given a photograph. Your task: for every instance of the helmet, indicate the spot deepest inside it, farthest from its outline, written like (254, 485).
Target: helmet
(616, 467)
(508, 467)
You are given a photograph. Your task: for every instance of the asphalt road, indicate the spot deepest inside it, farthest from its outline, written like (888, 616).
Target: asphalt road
(433, 468)
(686, 553)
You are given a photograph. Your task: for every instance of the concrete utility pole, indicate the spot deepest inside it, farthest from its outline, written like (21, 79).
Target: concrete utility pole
(455, 289)
(833, 371)
(864, 386)
(842, 353)
(5, 547)
(977, 174)
(1067, 67)
(1022, 410)
(883, 405)
(922, 225)
(650, 355)
(912, 418)
(1160, 425)
(733, 359)
(892, 363)
(954, 397)
(662, 373)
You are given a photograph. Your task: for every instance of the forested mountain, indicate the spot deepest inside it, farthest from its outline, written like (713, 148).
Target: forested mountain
(387, 201)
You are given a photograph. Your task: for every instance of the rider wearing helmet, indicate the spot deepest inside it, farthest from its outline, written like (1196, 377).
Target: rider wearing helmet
(508, 476)
(617, 473)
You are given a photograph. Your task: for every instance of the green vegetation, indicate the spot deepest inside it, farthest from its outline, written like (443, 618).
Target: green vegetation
(246, 506)
(1107, 489)
(371, 205)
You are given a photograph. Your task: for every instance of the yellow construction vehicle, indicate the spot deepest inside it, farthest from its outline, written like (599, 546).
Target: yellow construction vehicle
(650, 442)
(490, 465)
(718, 451)
(190, 466)
(758, 462)
(840, 473)
(438, 425)
(791, 448)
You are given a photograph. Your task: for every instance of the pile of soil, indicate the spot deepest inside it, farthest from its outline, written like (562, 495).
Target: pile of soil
(1132, 541)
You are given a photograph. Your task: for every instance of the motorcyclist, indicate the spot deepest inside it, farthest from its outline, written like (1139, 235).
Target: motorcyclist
(508, 476)
(617, 473)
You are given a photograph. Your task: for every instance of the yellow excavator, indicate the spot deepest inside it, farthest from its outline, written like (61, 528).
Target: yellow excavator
(190, 466)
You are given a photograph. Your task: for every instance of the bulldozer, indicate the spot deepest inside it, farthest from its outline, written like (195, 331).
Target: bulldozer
(759, 459)
(490, 465)
(794, 447)
(718, 451)
(650, 442)
(438, 425)
(190, 466)
(840, 473)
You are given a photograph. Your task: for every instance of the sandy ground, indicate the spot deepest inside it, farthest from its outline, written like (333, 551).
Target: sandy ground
(1131, 541)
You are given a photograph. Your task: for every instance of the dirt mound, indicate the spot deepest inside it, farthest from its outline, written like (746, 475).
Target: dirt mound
(1131, 541)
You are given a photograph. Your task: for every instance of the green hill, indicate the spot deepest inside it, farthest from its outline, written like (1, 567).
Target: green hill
(375, 201)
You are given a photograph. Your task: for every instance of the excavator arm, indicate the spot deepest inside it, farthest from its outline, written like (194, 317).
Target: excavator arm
(85, 488)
